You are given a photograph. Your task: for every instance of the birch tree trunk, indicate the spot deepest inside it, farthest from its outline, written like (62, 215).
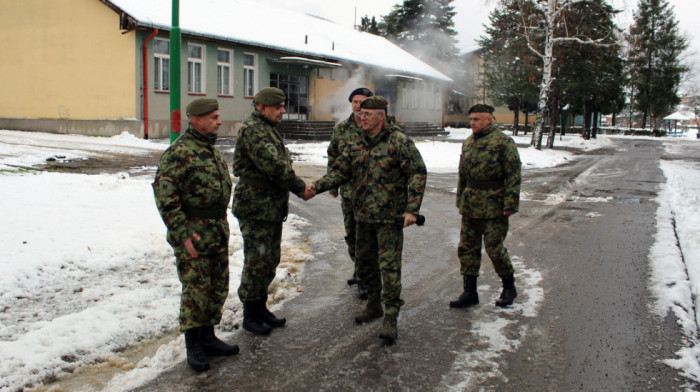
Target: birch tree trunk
(546, 74)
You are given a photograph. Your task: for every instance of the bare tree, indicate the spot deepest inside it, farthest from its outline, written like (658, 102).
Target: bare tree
(542, 35)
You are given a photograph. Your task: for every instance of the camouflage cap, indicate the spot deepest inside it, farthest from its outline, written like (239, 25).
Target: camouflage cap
(360, 91)
(202, 106)
(270, 96)
(481, 108)
(375, 102)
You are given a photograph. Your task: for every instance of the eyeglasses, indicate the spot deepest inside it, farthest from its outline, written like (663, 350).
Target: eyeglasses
(368, 114)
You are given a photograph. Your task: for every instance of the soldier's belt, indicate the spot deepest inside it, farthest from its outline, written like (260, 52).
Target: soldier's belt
(259, 182)
(485, 184)
(204, 213)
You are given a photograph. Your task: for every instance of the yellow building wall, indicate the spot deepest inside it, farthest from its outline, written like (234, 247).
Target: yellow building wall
(65, 59)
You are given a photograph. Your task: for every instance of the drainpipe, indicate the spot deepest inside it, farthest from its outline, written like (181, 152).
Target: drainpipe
(145, 82)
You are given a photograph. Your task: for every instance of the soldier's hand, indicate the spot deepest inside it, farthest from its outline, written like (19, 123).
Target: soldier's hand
(189, 246)
(309, 192)
(508, 212)
(409, 219)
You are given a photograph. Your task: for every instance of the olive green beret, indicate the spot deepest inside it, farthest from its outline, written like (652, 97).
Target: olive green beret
(270, 96)
(202, 106)
(481, 108)
(375, 102)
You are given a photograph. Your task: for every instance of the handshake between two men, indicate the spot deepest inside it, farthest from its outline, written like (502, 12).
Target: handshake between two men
(406, 220)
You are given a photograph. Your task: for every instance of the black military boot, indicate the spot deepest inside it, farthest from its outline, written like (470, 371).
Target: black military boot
(508, 294)
(214, 347)
(268, 317)
(353, 280)
(372, 311)
(252, 319)
(469, 297)
(361, 290)
(195, 351)
(389, 330)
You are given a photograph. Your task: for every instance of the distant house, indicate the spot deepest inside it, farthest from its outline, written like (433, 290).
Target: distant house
(101, 67)
(458, 102)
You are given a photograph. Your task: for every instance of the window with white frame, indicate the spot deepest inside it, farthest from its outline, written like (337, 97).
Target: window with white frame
(404, 95)
(195, 67)
(430, 96)
(414, 95)
(161, 64)
(438, 99)
(224, 70)
(249, 68)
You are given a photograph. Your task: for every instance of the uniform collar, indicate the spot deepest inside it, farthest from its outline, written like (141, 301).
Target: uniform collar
(484, 132)
(194, 134)
(261, 117)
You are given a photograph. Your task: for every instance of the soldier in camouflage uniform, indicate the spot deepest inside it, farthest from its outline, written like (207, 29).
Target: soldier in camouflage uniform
(345, 133)
(488, 192)
(260, 202)
(192, 188)
(388, 176)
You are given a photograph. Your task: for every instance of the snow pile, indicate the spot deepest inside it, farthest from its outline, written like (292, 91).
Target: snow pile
(676, 269)
(26, 149)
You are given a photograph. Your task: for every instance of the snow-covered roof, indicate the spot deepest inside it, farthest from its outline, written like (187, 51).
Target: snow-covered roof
(677, 116)
(249, 23)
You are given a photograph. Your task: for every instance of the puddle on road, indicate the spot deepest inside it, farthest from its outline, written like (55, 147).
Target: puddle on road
(96, 377)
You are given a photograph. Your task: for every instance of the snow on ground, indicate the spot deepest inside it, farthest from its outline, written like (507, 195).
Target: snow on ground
(443, 156)
(86, 272)
(676, 269)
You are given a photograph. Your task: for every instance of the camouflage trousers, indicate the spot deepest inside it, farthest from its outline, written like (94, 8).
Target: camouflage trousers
(261, 251)
(350, 226)
(493, 232)
(378, 263)
(204, 289)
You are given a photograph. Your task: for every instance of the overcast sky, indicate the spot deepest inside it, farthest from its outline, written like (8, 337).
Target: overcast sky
(472, 14)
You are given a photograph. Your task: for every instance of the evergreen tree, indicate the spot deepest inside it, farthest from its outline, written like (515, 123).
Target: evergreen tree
(592, 76)
(510, 69)
(655, 65)
(369, 25)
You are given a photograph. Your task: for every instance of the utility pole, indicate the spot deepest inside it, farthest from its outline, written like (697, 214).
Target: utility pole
(175, 38)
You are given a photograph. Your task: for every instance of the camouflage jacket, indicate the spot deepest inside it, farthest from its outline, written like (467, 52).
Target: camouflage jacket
(387, 174)
(489, 175)
(192, 174)
(265, 169)
(343, 134)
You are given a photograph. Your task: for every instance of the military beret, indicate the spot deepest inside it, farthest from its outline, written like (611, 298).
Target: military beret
(481, 108)
(361, 91)
(375, 102)
(202, 106)
(270, 96)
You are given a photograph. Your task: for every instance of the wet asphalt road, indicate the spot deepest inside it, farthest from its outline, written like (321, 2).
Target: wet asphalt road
(580, 322)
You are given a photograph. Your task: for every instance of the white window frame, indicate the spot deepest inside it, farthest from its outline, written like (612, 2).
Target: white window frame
(414, 95)
(429, 92)
(438, 99)
(250, 81)
(195, 64)
(224, 69)
(404, 95)
(161, 83)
